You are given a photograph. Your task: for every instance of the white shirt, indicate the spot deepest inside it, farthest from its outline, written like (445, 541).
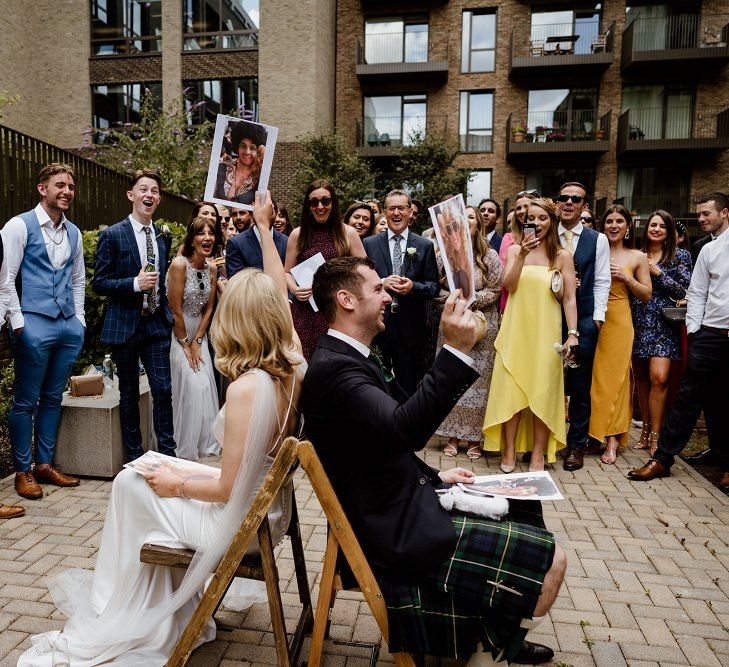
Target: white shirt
(490, 235)
(708, 292)
(365, 351)
(258, 234)
(403, 243)
(141, 237)
(601, 282)
(15, 238)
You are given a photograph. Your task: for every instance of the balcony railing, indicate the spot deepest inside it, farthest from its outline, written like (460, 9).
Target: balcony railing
(385, 135)
(684, 39)
(385, 56)
(554, 126)
(640, 207)
(223, 40)
(563, 39)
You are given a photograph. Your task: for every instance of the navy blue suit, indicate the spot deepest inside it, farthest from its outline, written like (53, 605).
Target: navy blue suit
(244, 251)
(403, 341)
(134, 336)
(495, 241)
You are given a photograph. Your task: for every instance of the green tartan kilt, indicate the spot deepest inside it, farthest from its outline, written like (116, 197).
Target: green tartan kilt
(491, 582)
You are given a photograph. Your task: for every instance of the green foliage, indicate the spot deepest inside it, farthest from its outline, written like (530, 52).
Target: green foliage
(426, 170)
(328, 157)
(6, 99)
(161, 140)
(93, 351)
(7, 380)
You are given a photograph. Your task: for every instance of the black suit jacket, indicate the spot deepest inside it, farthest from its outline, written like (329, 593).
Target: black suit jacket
(244, 251)
(422, 269)
(366, 442)
(696, 247)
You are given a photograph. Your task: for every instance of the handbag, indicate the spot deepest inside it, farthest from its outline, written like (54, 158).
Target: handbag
(674, 314)
(90, 383)
(557, 285)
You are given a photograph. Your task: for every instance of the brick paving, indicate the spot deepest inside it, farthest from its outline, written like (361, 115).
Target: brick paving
(647, 582)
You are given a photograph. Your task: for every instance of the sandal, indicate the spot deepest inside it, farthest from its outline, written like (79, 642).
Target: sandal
(653, 443)
(451, 449)
(644, 435)
(474, 452)
(610, 455)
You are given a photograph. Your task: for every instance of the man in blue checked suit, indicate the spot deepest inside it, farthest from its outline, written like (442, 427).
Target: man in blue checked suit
(131, 266)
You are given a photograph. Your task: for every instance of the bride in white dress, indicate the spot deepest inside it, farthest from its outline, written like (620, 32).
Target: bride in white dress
(131, 613)
(191, 290)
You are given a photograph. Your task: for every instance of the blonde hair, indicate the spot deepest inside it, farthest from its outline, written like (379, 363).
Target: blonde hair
(252, 327)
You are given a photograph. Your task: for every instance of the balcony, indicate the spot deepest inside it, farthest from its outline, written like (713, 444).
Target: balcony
(388, 58)
(581, 136)
(640, 207)
(387, 6)
(385, 136)
(665, 48)
(559, 50)
(648, 136)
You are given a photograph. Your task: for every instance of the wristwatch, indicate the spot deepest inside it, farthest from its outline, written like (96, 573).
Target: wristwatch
(573, 332)
(199, 341)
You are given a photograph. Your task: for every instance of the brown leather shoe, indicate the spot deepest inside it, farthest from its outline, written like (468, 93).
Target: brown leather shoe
(575, 459)
(649, 471)
(724, 483)
(51, 475)
(11, 511)
(27, 487)
(594, 447)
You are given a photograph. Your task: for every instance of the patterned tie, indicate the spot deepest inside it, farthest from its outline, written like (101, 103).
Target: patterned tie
(568, 241)
(152, 294)
(396, 266)
(387, 373)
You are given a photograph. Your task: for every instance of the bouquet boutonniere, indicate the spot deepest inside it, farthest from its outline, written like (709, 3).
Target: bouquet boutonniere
(165, 231)
(411, 252)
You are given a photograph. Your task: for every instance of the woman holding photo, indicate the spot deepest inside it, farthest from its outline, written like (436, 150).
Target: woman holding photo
(321, 231)
(528, 379)
(238, 177)
(465, 421)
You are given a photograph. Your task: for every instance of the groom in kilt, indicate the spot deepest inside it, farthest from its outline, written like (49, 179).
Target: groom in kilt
(449, 580)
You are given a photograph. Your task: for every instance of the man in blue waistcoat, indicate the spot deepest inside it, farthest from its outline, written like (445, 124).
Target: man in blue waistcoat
(591, 254)
(44, 251)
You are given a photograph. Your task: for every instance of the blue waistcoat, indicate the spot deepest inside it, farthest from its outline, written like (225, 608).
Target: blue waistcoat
(584, 259)
(46, 290)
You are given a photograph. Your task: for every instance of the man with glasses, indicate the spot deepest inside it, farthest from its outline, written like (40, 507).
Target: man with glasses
(591, 254)
(131, 266)
(491, 212)
(406, 264)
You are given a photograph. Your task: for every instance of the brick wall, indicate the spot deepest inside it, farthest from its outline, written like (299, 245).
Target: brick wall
(109, 70)
(222, 65)
(288, 155)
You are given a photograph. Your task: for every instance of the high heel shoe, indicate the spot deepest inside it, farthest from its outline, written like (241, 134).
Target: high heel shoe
(653, 443)
(610, 455)
(507, 468)
(645, 432)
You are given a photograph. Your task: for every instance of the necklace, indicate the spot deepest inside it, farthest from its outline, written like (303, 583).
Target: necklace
(51, 238)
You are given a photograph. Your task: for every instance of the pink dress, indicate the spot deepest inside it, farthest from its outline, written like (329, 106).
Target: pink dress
(506, 243)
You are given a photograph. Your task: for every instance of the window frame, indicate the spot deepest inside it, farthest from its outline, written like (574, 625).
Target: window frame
(194, 119)
(127, 40)
(406, 21)
(463, 144)
(490, 194)
(218, 35)
(480, 11)
(128, 108)
(416, 98)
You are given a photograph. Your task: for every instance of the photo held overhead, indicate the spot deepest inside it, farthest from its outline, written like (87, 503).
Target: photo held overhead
(240, 161)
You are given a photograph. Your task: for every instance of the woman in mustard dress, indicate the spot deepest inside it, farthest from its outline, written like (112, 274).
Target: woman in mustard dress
(525, 411)
(611, 392)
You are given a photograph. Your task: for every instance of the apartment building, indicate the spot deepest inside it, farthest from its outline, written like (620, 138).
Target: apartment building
(631, 98)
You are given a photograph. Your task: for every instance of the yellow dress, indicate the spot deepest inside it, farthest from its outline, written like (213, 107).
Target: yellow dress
(528, 372)
(611, 391)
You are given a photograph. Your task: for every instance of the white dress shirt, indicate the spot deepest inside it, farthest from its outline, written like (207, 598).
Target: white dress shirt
(4, 292)
(15, 238)
(365, 351)
(602, 280)
(141, 237)
(490, 235)
(403, 243)
(708, 292)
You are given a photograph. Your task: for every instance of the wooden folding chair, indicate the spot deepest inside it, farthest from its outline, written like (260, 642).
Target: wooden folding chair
(235, 564)
(341, 537)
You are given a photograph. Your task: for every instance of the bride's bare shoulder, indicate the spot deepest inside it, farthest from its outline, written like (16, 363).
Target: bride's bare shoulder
(242, 388)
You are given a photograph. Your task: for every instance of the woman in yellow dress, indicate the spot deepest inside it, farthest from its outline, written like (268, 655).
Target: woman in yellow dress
(611, 391)
(525, 411)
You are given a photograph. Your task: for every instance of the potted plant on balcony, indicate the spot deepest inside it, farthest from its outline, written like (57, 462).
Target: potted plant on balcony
(557, 135)
(599, 134)
(519, 132)
(540, 134)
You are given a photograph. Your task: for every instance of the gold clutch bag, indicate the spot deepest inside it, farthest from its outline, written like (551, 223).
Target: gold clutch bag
(89, 384)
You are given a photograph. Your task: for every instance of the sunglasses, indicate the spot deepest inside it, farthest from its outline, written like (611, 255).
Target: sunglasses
(225, 218)
(200, 278)
(453, 228)
(324, 201)
(533, 191)
(587, 218)
(575, 199)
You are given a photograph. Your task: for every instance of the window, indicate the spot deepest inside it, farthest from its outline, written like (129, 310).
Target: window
(643, 190)
(220, 24)
(659, 112)
(548, 181)
(477, 122)
(581, 26)
(118, 104)
(122, 27)
(479, 186)
(657, 26)
(562, 114)
(478, 46)
(394, 120)
(205, 99)
(396, 40)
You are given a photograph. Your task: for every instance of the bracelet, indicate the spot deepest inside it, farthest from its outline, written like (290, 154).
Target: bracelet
(635, 282)
(183, 341)
(182, 489)
(573, 332)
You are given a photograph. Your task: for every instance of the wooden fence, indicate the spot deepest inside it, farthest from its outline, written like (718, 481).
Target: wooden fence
(100, 192)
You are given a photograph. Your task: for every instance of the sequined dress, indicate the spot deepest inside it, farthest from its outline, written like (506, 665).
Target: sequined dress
(194, 395)
(308, 324)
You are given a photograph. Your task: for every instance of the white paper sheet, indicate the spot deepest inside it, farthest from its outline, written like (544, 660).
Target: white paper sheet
(304, 274)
